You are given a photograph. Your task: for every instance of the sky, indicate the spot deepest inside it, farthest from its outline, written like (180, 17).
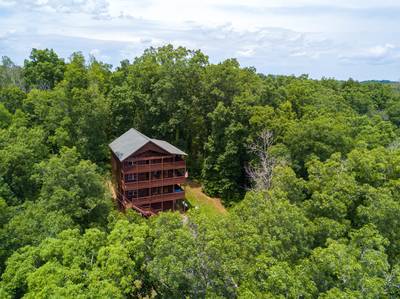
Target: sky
(341, 39)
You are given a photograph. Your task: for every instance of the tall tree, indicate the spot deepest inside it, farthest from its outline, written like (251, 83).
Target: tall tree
(43, 70)
(10, 73)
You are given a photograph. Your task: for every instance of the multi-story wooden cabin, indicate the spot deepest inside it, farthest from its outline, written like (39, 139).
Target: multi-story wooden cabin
(147, 173)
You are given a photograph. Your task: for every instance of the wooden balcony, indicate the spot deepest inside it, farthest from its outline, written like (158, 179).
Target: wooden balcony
(153, 167)
(153, 183)
(155, 198)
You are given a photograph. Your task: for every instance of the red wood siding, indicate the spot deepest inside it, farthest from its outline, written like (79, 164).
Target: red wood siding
(148, 205)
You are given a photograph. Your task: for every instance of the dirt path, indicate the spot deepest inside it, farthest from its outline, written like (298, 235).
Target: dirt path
(110, 187)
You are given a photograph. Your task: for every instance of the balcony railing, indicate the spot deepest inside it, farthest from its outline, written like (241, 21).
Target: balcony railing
(153, 183)
(153, 167)
(156, 198)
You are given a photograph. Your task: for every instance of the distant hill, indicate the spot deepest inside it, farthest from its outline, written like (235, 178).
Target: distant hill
(380, 81)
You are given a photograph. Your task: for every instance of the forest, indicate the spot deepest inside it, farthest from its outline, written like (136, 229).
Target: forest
(325, 223)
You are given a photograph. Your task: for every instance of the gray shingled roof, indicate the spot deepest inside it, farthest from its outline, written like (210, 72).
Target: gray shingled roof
(132, 140)
(168, 147)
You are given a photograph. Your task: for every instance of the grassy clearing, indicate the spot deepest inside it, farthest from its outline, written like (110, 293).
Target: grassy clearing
(206, 204)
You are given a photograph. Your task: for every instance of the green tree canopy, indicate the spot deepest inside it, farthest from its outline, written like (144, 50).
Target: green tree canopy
(43, 70)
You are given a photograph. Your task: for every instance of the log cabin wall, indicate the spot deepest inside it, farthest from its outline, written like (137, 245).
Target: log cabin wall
(150, 180)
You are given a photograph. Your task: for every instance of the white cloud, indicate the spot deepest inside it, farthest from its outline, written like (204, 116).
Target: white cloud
(380, 51)
(378, 54)
(7, 33)
(93, 7)
(94, 52)
(340, 38)
(246, 52)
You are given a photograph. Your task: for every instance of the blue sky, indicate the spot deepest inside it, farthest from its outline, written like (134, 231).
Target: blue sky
(341, 39)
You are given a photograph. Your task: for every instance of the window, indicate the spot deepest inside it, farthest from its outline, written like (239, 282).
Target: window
(180, 172)
(143, 192)
(129, 194)
(168, 173)
(168, 189)
(167, 160)
(143, 176)
(130, 163)
(130, 177)
(155, 190)
(156, 175)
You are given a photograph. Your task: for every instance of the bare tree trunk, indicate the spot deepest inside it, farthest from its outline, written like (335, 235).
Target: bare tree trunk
(261, 173)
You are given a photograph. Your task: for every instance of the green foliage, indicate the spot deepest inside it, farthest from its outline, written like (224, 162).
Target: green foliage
(5, 117)
(275, 219)
(88, 265)
(32, 223)
(75, 75)
(321, 136)
(10, 74)
(43, 70)
(20, 149)
(78, 117)
(326, 228)
(72, 186)
(12, 97)
(359, 264)
(222, 174)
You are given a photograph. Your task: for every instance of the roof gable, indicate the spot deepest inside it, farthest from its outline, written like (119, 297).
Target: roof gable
(128, 143)
(132, 140)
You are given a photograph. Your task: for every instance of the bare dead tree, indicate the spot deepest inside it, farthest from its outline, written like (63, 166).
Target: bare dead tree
(261, 173)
